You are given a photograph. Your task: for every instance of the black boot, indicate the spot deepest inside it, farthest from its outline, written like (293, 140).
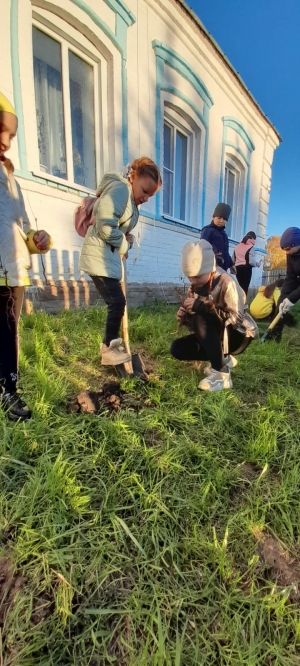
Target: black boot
(15, 407)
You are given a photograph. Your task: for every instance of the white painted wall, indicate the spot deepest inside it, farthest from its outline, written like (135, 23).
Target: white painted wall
(158, 259)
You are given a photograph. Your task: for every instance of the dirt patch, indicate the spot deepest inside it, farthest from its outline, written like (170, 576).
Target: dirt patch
(152, 438)
(120, 640)
(284, 569)
(250, 471)
(110, 399)
(11, 583)
(150, 364)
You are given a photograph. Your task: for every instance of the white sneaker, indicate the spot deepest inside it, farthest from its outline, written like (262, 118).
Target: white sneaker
(230, 362)
(216, 381)
(114, 354)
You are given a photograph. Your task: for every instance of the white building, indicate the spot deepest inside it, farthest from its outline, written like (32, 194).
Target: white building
(97, 83)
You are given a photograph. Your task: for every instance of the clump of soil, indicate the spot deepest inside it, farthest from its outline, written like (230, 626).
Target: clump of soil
(284, 569)
(109, 399)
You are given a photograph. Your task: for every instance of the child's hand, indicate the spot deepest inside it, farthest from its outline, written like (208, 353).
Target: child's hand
(42, 240)
(130, 240)
(233, 270)
(189, 302)
(181, 314)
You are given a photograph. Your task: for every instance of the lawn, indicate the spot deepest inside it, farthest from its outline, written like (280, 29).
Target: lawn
(162, 534)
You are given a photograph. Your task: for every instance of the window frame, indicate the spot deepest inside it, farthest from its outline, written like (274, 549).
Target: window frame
(96, 63)
(237, 168)
(178, 123)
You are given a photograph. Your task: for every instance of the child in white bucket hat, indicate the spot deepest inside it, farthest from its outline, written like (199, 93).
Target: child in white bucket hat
(214, 313)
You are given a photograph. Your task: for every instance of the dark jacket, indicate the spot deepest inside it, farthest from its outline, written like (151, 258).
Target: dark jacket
(291, 286)
(218, 238)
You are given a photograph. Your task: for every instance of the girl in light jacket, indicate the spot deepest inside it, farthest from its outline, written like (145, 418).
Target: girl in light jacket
(244, 260)
(17, 241)
(109, 239)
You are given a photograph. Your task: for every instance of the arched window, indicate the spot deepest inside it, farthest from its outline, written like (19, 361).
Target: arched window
(237, 148)
(182, 118)
(182, 164)
(234, 194)
(65, 82)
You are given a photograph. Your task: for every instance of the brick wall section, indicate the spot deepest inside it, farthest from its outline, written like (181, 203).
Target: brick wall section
(69, 294)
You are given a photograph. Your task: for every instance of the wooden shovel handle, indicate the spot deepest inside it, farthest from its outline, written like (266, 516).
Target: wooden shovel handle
(125, 331)
(275, 321)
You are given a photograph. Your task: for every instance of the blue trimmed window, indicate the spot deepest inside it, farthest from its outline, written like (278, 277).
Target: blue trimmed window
(234, 194)
(182, 164)
(65, 82)
(176, 146)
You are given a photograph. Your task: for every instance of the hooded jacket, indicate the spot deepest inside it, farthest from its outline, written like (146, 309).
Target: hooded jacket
(218, 239)
(291, 286)
(244, 254)
(14, 225)
(228, 299)
(16, 238)
(116, 215)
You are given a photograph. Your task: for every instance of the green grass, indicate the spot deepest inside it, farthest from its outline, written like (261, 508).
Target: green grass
(134, 537)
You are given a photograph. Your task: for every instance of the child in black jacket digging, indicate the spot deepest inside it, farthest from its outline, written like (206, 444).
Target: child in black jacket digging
(290, 291)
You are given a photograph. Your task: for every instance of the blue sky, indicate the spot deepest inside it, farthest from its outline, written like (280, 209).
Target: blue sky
(261, 38)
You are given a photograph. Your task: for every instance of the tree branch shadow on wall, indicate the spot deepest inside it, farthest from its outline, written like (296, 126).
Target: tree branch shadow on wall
(59, 285)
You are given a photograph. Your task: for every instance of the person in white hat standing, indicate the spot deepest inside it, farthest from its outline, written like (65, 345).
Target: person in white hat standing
(214, 314)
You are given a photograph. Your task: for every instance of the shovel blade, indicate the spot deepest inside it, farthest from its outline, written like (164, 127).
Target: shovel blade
(133, 368)
(270, 328)
(138, 367)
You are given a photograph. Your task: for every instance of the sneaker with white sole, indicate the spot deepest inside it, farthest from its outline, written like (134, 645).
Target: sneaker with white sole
(216, 381)
(114, 354)
(15, 408)
(230, 362)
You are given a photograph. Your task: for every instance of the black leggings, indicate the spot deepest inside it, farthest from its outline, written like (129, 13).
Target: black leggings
(244, 275)
(111, 292)
(10, 307)
(206, 344)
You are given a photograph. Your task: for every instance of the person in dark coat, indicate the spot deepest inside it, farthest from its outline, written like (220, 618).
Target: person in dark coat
(290, 292)
(216, 235)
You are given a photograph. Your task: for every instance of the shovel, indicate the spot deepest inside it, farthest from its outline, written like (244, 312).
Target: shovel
(272, 325)
(135, 367)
